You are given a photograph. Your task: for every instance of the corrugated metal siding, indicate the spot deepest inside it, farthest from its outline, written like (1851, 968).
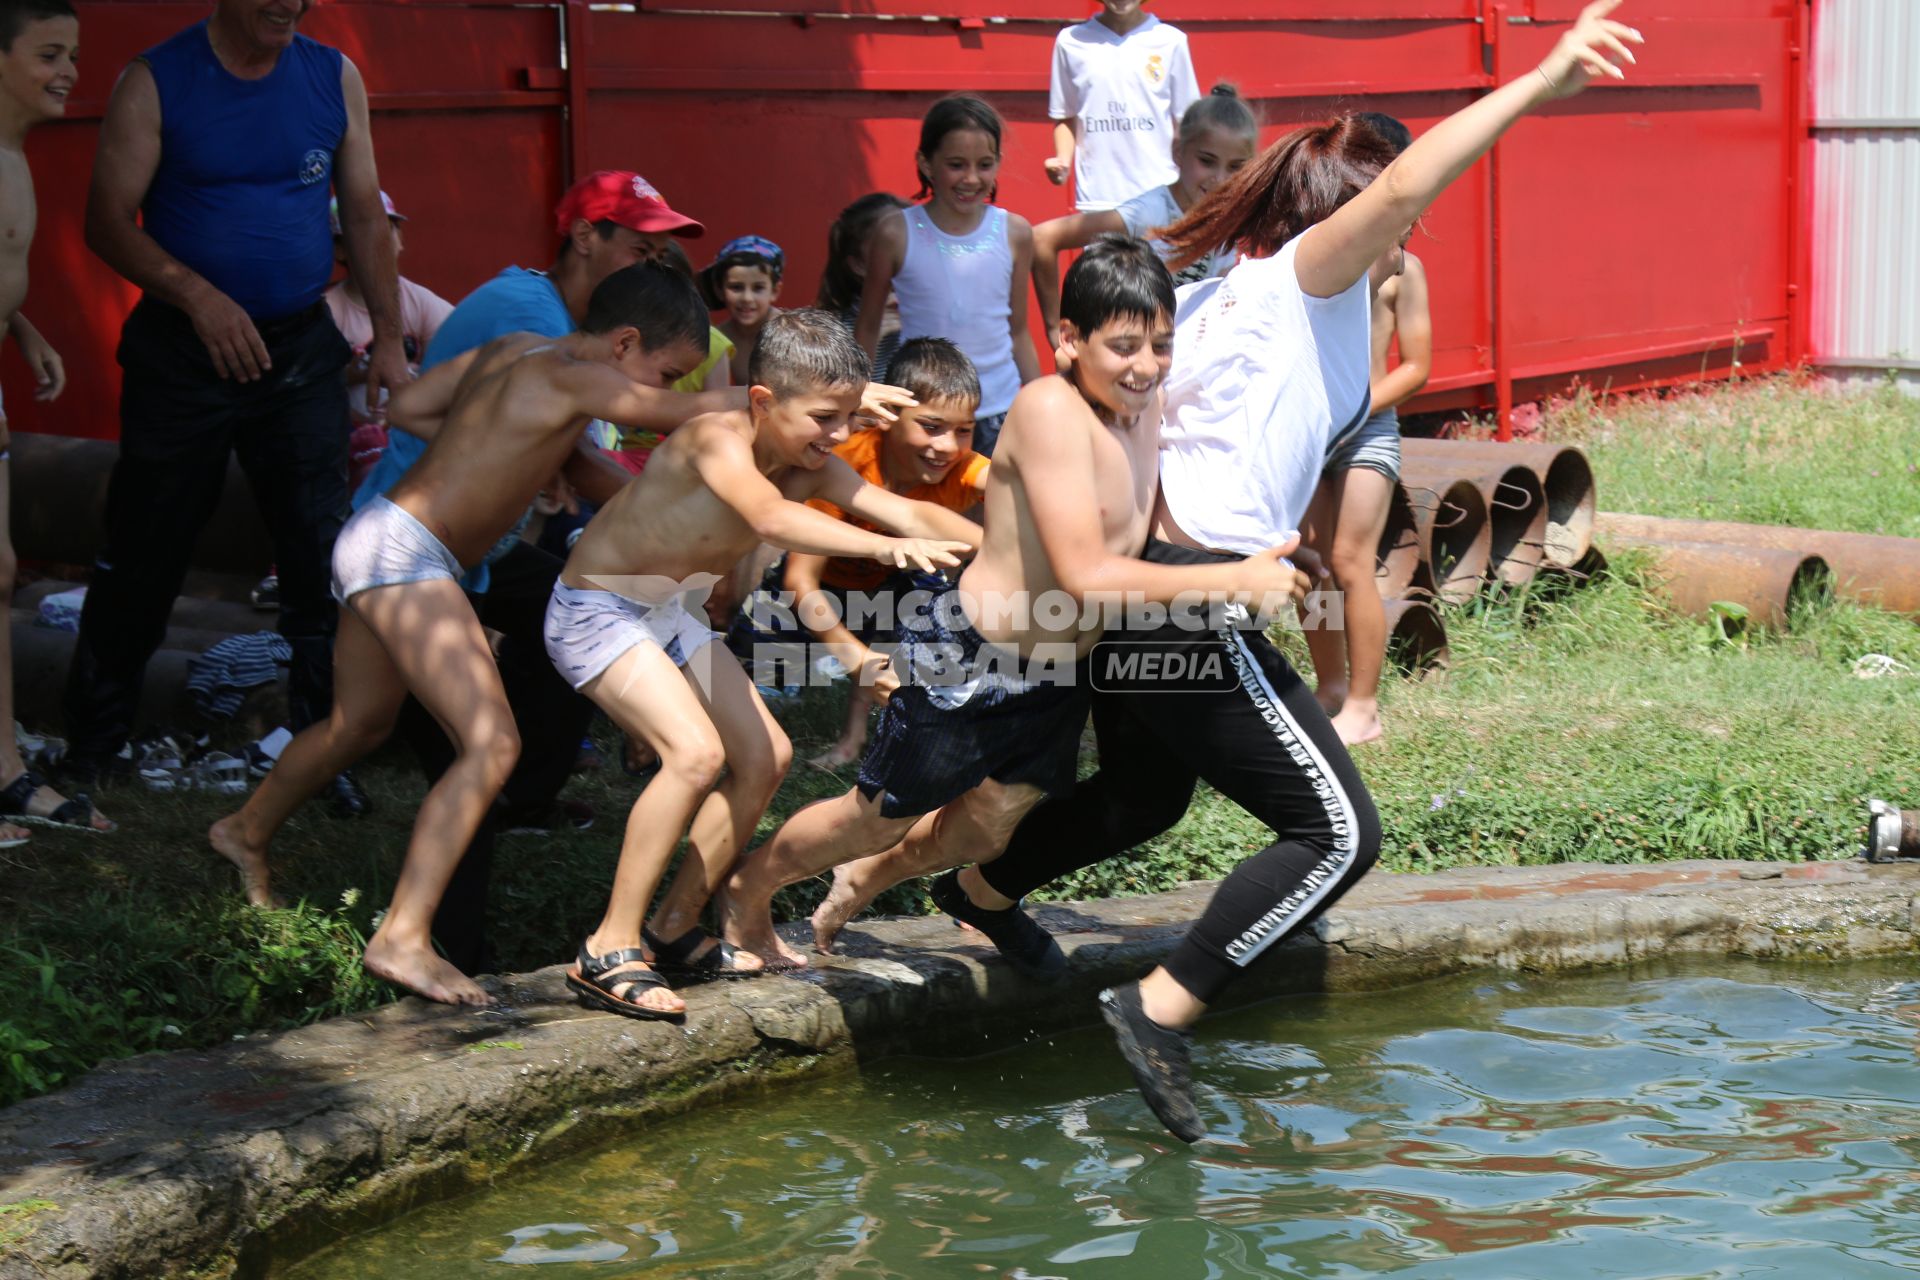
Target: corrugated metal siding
(1866, 215)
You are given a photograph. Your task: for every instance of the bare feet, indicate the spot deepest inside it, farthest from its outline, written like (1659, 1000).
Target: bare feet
(12, 834)
(421, 970)
(831, 916)
(839, 754)
(251, 860)
(755, 934)
(1358, 722)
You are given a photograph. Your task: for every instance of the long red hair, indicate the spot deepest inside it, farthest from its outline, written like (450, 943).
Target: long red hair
(1298, 181)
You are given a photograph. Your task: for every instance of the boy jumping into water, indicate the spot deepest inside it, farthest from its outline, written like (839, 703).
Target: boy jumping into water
(1067, 507)
(619, 631)
(500, 421)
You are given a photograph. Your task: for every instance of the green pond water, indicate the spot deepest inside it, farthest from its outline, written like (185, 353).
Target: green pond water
(1680, 1121)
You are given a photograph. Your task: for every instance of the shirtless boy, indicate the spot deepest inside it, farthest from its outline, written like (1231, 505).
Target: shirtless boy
(499, 422)
(1067, 507)
(619, 631)
(39, 46)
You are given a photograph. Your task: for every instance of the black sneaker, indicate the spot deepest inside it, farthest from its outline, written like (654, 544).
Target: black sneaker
(1161, 1058)
(348, 798)
(1018, 937)
(266, 595)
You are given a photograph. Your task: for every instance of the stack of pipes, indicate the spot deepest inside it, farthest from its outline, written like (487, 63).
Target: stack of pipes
(1467, 513)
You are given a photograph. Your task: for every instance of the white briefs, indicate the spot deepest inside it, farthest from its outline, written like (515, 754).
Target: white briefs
(383, 546)
(587, 631)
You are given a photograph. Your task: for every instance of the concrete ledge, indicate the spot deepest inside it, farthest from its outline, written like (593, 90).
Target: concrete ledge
(239, 1159)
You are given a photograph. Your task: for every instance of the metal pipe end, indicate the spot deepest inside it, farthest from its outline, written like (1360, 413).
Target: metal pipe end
(1891, 833)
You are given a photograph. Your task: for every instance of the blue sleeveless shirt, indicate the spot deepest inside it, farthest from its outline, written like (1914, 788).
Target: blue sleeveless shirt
(246, 170)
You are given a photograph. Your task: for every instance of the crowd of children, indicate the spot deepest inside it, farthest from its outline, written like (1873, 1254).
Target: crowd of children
(1220, 381)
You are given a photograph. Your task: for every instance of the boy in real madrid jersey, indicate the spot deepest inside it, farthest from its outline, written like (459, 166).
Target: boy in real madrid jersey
(1121, 80)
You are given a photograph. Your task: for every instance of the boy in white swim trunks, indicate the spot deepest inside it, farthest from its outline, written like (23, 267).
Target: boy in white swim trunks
(621, 632)
(500, 421)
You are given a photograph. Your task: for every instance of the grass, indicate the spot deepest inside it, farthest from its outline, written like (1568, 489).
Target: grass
(1575, 725)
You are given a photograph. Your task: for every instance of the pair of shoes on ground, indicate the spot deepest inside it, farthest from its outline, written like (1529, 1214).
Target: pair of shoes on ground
(598, 986)
(1161, 1058)
(176, 762)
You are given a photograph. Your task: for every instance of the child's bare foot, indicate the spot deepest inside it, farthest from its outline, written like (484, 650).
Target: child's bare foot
(1358, 722)
(831, 916)
(756, 935)
(422, 971)
(251, 860)
(839, 754)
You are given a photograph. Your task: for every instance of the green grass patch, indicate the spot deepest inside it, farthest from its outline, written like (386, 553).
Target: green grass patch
(1575, 725)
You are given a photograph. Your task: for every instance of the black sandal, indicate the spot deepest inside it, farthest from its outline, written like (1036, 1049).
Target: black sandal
(676, 957)
(74, 815)
(598, 987)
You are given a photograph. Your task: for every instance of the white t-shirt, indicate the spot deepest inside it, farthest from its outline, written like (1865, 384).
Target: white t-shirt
(1156, 208)
(1263, 376)
(1128, 92)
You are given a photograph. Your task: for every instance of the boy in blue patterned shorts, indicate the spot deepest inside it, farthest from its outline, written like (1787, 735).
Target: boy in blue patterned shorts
(991, 702)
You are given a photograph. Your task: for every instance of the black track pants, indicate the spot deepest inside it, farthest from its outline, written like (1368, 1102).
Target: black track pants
(1261, 740)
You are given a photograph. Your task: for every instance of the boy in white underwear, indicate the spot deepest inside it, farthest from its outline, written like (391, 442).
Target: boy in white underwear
(620, 630)
(500, 421)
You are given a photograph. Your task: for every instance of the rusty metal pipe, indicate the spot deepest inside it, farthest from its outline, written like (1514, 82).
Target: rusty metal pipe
(1566, 480)
(1416, 637)
(1767, 582)
(1454, 537)
(1400, 555)
(1867, 568)
(1516, 510)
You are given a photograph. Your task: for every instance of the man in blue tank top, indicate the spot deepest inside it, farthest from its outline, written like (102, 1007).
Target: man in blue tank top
(217, 157)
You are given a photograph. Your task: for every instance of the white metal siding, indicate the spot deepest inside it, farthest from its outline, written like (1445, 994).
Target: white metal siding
(1866, 183)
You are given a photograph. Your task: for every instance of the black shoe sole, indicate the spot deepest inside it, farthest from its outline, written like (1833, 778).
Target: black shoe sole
(1170, 1100)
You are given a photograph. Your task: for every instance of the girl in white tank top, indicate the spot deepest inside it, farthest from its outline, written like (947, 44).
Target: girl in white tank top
(956, 264)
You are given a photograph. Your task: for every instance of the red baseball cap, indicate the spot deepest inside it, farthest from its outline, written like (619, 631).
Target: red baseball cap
(625, 199)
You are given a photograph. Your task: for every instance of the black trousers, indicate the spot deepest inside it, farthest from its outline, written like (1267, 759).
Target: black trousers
(179, 422)
(551, 718)
(1259, 737)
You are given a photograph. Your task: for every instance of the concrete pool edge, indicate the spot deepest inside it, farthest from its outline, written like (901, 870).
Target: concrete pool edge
(242, 1158)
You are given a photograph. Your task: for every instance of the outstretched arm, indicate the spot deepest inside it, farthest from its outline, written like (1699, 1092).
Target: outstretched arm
(1335, 253)
(724, 463)
(844, 488)
(601, 391)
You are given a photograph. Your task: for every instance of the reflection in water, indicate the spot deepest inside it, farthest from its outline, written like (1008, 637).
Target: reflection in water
(1675, 1122)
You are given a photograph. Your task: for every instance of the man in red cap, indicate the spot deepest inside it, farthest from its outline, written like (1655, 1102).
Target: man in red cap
(607, 220)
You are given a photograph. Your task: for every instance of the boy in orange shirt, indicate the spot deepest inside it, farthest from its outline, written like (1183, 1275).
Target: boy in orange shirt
(927, 455)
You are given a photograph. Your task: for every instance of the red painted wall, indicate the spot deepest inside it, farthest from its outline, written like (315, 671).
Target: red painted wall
(1634, 234)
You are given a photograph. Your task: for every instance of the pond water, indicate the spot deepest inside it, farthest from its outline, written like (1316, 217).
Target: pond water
(1680, 1121)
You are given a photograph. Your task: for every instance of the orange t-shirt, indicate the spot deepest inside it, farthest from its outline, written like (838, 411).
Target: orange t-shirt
(959, 491)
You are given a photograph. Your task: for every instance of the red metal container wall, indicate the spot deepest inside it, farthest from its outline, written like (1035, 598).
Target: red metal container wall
(1642, 231)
